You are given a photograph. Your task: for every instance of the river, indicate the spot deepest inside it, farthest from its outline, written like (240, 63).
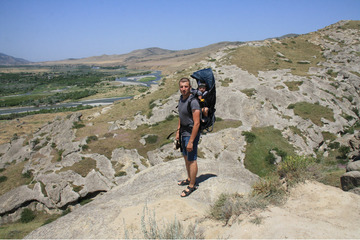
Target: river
(93, 102)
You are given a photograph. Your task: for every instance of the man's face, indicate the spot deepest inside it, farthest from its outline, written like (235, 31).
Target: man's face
(184, 88)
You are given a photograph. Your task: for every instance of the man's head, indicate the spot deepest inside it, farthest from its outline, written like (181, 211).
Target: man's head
(185, 86)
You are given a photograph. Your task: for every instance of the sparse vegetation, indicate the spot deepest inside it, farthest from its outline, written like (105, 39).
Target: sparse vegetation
(78, 125)
(151, 139)
(249, 136)
(173, 230)
(263, 140)
(83, 167)
(249, 92)
(3, 178)
(314, 112)
(226, 82)
(19, 230)
(271, 189)
(12, 177)
(293, 86)
(265, 58)
(27, 216)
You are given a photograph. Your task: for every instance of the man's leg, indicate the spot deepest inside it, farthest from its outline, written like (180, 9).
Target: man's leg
(191, 165)
(192, 170)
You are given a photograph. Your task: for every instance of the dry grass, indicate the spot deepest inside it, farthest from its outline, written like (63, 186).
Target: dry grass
(271, 189)
(265, 58)
(14, 176)
(314, 112)
(19, 230)
(83, 167)
(293, 86)
(25, 126)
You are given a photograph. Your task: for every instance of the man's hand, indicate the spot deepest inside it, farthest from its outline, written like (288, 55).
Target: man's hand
(189, 147)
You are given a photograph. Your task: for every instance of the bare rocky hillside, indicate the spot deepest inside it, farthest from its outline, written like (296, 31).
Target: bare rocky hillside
(319, 71)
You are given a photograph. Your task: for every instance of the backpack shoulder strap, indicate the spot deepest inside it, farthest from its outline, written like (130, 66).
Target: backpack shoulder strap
(192, 97)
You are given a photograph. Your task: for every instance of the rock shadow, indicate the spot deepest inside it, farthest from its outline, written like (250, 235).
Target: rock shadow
(204, 177)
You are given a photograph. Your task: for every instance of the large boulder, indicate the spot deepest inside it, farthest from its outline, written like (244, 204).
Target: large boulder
(17, 197)
(353, 166)
(350, 180)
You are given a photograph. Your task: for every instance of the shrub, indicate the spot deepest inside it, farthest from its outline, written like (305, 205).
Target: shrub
(269, 189)
(85, 147)
(280, 152)
(27, 174)
(150, 139)
(270, 158)
(228, 205)
(91, 138)
(295, 169)
(172, 230)
(3, 179)
(249, 92)
(344, 150)
(334, 145)
(120, 174)
(170, 117)
(249, 136)
(78, 125)
(59, 155)
(356, 111)
(27, 216)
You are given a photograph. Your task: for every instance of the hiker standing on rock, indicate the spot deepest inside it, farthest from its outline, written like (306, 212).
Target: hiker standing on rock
(188, 134)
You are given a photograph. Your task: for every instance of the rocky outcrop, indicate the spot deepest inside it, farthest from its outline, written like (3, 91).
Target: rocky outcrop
(350, 181)
(60, 182)
(56, 163)
(151, 185)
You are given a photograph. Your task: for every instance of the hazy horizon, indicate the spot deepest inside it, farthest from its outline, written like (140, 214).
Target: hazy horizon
(40, 30)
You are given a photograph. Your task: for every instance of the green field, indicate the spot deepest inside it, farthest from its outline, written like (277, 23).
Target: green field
(48, 85)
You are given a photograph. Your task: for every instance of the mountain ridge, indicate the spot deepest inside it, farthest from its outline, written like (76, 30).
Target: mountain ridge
(9, 60)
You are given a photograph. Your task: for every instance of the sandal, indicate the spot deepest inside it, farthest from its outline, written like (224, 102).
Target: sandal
(184, 182)
(190, 190)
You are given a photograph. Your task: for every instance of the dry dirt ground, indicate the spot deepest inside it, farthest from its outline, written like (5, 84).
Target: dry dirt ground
(312, 211)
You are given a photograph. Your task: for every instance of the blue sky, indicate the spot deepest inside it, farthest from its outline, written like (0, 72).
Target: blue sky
(41, 30)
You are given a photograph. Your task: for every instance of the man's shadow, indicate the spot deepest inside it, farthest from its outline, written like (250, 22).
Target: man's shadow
(204, 177)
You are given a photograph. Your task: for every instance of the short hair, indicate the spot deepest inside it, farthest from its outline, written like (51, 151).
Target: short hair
(184, 79)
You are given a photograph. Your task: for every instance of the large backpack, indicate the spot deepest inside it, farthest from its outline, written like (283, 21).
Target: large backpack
(206, 77)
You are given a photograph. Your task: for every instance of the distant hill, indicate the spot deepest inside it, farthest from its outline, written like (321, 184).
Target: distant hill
(9, 60)
(288, 36)
(285, 36)
(150, 58)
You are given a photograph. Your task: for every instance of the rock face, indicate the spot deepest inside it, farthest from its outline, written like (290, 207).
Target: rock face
(55, 161)
(153, 184)
(350, 181)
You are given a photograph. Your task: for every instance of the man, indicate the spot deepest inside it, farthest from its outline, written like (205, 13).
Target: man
(188, 129)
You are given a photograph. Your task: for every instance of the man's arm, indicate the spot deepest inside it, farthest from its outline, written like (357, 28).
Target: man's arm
(196, 119)
(178, 131)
